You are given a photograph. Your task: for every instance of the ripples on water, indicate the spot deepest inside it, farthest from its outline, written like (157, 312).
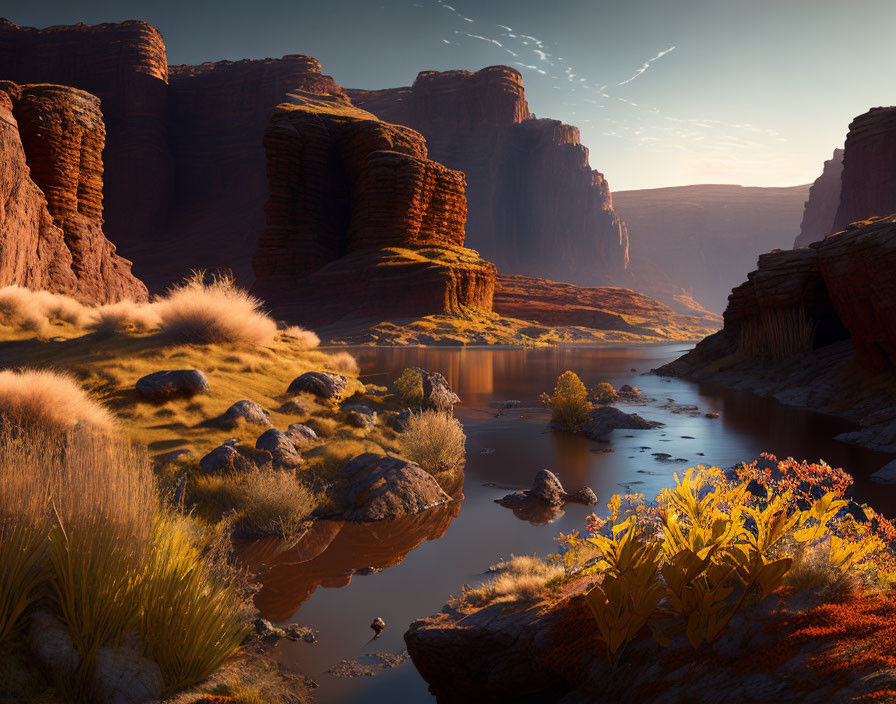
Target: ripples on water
(342, 576)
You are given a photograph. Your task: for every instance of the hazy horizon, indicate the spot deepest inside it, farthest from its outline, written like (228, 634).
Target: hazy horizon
(665, 93)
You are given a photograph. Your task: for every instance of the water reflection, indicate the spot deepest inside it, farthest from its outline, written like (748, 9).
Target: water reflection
(332, 553)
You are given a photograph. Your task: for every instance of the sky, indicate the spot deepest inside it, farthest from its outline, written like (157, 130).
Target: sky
(665, 92)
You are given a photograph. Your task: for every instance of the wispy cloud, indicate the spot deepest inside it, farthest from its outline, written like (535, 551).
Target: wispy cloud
(646, 65)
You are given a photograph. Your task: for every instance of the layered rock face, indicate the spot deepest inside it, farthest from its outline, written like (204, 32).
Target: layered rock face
(698, 241)
(359, 221)
(868, 187)
(535, 205)
(52, 180)
(815, 327)
(606, 308)
(821, 208)
(125, 66)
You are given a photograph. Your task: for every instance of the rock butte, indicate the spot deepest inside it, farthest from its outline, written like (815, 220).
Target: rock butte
(51, 175)
(359, 221)
(535, 205)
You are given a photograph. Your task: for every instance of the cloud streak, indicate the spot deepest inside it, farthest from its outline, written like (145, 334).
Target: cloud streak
(646, 65)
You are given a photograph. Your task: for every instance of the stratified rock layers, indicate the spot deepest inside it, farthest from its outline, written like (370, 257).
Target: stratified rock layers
(535, 205)
(359, 221)
(51, 183)
(821, 208)
(868, 187)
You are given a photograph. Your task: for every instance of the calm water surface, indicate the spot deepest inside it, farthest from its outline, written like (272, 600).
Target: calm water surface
(343, 576)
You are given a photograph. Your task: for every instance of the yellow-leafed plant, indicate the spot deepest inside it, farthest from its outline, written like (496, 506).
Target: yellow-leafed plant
(569, 403)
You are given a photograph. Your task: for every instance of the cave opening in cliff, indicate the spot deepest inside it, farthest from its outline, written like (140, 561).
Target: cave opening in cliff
(829, 328)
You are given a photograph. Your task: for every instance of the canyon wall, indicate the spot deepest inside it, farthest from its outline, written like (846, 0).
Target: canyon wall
(821, 207)
(535, 205)
(697, 241)
(868, 187)
(51, 178)
(359, 221)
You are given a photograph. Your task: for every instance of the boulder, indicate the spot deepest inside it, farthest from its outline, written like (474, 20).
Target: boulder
(248, 411)
(360, 416)
(437, 393)
(283, 451)
(297, 406)
(51, 644)
(324, 385)
(225, 458)
(535, 505)
(606, 419)
(301, 435)
(121, 676)
(547, 488)
(164, 385)
(585, 495)
(399, 421)
(379, 487)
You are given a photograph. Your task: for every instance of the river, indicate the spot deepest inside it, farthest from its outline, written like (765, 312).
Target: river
(342, 577)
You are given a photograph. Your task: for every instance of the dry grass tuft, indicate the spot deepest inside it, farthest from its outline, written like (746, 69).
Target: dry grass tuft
(37, 310)
(435, 441)
(523, 578)
(124, 316)
(343, 363)
(48, 401)
(216, 311)
(304, 338)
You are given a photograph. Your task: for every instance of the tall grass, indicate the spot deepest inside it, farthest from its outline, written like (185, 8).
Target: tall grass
(36, 310)
(85, 509)
(48, 401)
(205, 311)
(434, 440)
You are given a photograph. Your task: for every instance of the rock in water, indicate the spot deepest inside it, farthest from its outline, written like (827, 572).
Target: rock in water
(437, 392)
(377, 488)
(378, 626)
(606, 419)
(322, 384)
(547, 488)
(161, 386)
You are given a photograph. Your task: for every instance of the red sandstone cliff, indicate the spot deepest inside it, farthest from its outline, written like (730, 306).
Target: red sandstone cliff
(535, 205)
(124, 65)
(821, 208)
(51, 179)
(359, 221)
(868, 186)
(701, 239)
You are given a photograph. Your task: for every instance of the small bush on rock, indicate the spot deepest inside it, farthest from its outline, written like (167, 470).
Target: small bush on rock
(569, 402)
(435, 441)
(604, 393)
(409, 388)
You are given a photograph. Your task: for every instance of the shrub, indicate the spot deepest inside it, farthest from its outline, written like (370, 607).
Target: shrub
(124, 316)
(267, 501)
(36, 310)
(409, 387)
(304, 338)
(522, 578)
(604, 393)
(569, 402)
(434, 440)
(343, 363)
(218, 311)
(48, 401)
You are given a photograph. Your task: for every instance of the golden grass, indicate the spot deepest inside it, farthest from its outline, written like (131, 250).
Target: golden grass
(344, 363)
(521, 578)
(124, 316)
(435, 441)
(215, 311)
(304, 338)
(49, 401)
(36, 310)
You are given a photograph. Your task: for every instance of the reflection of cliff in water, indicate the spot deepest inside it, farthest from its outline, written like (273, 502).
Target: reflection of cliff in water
(333, 552)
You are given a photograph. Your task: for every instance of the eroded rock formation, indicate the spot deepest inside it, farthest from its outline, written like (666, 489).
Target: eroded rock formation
(821, 208)
(815, 327)
(868, 187)
(535, 205)
(51, 181)
(359, 221)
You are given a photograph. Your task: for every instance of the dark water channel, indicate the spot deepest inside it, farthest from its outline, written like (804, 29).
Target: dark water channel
(343, 576)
